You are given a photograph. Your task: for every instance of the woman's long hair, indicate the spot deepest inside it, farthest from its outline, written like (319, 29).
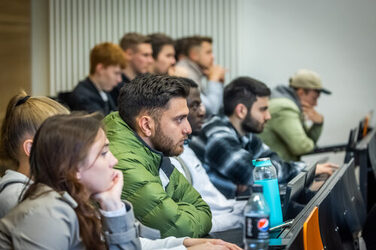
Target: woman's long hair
(23, 117)
(60, 145)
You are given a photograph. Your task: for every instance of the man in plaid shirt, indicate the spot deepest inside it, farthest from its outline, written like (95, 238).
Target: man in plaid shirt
(228, 144)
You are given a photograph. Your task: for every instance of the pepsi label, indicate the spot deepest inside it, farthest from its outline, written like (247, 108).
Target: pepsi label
(257, 227)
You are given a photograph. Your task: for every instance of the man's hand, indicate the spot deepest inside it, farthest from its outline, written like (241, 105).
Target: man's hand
(326, 168)
(216, 73)
(198, 244)
(241, 188)
(311, 114)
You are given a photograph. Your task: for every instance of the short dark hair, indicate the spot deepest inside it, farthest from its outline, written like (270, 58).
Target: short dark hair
(158, 40)
(185, 44)
(196, 41)
(151, 93)
(189, 82)
(132, 40)
(181, 47)
(243, 90)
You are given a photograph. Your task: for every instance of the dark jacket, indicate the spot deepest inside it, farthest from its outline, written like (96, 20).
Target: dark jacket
(116, 91)
(86, 97)
(228, 156)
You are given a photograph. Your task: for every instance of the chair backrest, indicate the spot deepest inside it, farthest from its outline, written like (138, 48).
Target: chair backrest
(311, 232)
(67, 99)
(372, 153)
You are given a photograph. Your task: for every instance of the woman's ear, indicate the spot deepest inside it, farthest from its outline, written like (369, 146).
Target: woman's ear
(26, 146)
(146, 125)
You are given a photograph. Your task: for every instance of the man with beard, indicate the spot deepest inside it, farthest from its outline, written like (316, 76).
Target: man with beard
(227, 145)
(198, 61)
(226, 213)
(296, 125)
(152, 125)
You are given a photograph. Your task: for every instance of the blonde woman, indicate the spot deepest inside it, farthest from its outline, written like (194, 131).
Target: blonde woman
(23, 117)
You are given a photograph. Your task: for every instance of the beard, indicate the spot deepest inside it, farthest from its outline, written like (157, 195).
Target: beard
(165, 144)
(251, 125)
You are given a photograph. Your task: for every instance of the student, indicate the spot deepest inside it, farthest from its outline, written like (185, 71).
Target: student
(72, 169)
(226, 213)
(91, 94)
(151, 125)
(164, 56)
(163, 53)
(23, 117)
(199, 63)
(228, 144)
(138, 52)
(291, 108)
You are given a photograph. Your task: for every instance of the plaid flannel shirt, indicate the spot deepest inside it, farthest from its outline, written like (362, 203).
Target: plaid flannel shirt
(227, 156)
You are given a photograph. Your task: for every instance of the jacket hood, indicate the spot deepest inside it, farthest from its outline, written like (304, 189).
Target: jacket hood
(282, 91)
(12, 177)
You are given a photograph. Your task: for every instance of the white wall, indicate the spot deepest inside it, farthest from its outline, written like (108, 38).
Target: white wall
(271, 41)
(76, 26)
(335, 38)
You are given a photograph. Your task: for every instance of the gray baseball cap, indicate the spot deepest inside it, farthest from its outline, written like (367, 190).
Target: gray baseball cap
(307, 79)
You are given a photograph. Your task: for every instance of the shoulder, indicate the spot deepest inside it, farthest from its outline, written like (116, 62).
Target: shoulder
(11, 186)
(84, 87)
(120, 135)
(51, 211)
(113, 121)
(124, 142)
(9, 197)
(48, 206)
(277, 105)
(191, 69)
(218, 124)
(49, 203)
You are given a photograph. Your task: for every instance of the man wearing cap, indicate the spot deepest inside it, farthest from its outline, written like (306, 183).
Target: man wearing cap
(292, 108)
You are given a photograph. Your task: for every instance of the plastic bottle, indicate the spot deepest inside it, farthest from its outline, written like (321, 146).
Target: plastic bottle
(256, 226)
(265, 174)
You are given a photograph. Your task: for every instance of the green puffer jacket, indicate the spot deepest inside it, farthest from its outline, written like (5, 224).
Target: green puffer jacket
(286, 132)
(177, 211)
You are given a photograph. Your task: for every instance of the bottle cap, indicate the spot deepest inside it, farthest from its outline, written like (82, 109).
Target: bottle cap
(262, 162)
(257, 188)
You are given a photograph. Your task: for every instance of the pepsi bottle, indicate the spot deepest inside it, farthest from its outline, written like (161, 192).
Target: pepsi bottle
(256, 226)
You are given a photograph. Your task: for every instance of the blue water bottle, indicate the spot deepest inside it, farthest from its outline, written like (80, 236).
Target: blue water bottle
(265, 174)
